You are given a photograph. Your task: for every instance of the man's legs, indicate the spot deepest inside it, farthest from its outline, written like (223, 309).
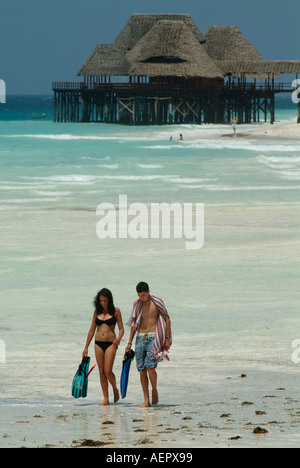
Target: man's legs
(153, 379)
(145, 386)
(146, 365)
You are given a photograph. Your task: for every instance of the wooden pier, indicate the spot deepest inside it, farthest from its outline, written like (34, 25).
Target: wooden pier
(134, 104)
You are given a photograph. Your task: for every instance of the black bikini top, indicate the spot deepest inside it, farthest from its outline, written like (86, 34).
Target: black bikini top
(110, 322)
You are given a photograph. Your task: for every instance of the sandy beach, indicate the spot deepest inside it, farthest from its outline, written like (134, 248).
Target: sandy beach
(276, 131)
(290, 131)
(228, 410)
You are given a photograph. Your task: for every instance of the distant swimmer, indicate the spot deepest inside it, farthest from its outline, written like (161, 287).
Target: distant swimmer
(234, 124)
(180, 137)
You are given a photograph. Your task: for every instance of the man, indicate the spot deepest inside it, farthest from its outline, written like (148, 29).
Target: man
(151, 321)
(234, 124)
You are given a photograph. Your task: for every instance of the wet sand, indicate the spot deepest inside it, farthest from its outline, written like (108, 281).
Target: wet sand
(278, 130)
(228, 408)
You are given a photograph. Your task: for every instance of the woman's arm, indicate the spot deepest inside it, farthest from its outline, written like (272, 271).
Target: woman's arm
(120, 326)
(90, 335)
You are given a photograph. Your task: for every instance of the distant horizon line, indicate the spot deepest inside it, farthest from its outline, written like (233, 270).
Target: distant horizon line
(28, 94)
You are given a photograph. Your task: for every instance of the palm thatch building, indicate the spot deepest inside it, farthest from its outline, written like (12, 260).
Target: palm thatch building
(162, 70)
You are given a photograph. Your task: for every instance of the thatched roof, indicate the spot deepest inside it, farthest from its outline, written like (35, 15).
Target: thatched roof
(281, 66)
(244, 69)
(172, 45)
(171, 49)
(228, 43)
(106, 59)
(234, 54)
(140, 24)
(111, 59)
(265, 69)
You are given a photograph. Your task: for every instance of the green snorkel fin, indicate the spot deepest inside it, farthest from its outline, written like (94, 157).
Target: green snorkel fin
(80, 381)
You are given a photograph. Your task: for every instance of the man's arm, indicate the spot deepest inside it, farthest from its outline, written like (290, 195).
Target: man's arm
(168, 341)
(132, 334)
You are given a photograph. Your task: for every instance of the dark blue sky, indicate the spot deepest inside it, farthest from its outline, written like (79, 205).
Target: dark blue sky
(48, 40)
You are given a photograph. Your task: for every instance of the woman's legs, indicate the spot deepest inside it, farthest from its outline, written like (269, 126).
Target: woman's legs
(105, 361)
(99, 353)
(109, 360)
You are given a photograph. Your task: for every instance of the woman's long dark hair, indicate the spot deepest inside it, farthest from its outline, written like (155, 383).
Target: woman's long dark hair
(106, 293)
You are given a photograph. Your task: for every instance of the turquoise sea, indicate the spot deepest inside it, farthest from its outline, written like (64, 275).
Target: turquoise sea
(234, 303)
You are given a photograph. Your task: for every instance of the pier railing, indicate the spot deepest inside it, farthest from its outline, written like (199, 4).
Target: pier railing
(57, 86)
(163, 88)
(268, 86)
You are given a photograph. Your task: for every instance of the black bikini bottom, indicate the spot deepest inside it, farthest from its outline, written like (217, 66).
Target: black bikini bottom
(104, 344)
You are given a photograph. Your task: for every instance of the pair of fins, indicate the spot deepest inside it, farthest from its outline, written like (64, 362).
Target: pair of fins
(80, 381)
(128, 358)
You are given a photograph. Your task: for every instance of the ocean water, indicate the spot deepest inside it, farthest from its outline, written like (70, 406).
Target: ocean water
(233, 303)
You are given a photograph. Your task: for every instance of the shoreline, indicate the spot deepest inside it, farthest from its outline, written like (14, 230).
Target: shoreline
(286, 131)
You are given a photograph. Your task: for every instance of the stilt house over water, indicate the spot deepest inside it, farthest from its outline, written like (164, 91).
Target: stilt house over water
(162, 70)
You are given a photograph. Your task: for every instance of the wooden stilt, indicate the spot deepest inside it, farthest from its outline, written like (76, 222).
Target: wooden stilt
(272, 108)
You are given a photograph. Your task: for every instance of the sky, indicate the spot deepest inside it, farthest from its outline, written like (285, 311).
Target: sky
(49, 40)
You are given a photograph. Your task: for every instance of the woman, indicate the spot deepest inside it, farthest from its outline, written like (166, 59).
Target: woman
(105, 318)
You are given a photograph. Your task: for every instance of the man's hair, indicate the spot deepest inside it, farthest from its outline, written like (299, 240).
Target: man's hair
(142, 287)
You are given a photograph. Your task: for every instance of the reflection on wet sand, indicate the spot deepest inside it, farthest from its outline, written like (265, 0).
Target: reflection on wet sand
(121, 424)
